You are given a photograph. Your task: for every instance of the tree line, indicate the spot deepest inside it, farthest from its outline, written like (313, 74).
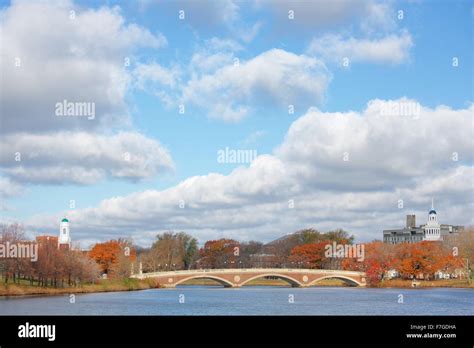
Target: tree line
(180, 251)
(54, 267)
(423, 260)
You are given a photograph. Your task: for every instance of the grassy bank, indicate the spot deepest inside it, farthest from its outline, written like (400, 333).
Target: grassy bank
(100, 286)
(25, 289)
(449, 283)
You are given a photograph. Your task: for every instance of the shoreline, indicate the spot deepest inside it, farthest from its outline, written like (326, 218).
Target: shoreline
(19, 290)
(426, 284)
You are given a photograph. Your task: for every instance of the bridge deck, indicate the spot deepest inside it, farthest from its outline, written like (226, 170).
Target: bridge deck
(236, 277)
(248, 270)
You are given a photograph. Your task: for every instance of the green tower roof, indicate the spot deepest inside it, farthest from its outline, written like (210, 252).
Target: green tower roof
(64, 220)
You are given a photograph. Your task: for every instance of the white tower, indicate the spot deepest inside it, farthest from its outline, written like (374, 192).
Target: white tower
(432, 228)
(64, 236)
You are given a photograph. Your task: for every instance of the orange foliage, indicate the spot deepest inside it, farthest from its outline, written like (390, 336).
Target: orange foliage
(411, 260)
(423, 259)
(108, 254)
(309, 255)
(378, 259)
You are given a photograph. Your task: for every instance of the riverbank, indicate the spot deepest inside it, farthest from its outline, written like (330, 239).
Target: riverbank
(136, 284)
(441, 283)
(100, 286)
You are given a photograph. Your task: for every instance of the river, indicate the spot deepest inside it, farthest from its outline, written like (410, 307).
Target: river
(251, 300)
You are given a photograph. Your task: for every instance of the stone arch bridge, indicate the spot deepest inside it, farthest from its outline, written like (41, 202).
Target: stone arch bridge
(236, 277)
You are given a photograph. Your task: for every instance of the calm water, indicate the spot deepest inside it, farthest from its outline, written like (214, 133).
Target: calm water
(206, 300)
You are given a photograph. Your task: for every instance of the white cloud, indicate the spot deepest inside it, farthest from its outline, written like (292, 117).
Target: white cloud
(381, 17)
(76, 56)
(9, 188)
(275, 76)
(392, 49)
(156, 73)
(384, 149)
(248, 34)
(81, 158)
(80, 60)
(167, 83)
(390, 158)
(212, 55)
(159, 81)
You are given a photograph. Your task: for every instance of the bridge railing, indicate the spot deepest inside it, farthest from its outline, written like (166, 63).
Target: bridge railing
(253, 270)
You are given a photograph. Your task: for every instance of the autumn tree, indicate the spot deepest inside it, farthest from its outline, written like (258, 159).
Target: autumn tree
(105, 254)
(170, 251)
(421, 260)
(221, 253)
(122, 267)
(378, 258)
(282, 247)
(11, 268)
(53, 266)
(246, 250)
(339, 236)
(461, 247)
(189, 249)
(310, 255)
(114, 257)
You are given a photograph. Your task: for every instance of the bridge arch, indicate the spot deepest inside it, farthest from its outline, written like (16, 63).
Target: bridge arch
(220, 280)
(345, 279)
(293, 282)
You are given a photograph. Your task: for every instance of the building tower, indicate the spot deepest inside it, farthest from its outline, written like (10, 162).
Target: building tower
(432, 228)
(64, 240)
(411, 221)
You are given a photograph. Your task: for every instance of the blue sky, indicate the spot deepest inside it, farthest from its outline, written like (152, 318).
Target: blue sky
(189, 62)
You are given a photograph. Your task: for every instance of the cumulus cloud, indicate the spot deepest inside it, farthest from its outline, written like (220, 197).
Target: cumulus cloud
(382, 146)
(81, 158)
(213, 54)
(392, 49)
(57, 51)
(155, 73)
(275, 76)
(391, 157)
(50, 54)
(168, 83)
(161, 81)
